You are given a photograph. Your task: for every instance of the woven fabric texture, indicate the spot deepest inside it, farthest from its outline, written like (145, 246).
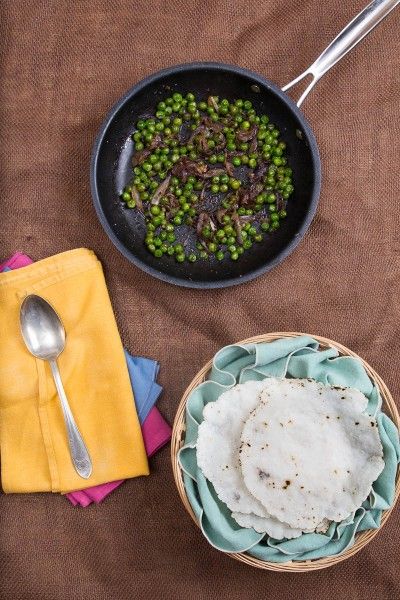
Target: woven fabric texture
(62, 66)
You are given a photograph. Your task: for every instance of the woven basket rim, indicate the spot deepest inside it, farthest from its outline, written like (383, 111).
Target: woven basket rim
(362, 538)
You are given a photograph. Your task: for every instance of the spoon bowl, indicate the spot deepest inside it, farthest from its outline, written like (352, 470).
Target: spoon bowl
(41, 328)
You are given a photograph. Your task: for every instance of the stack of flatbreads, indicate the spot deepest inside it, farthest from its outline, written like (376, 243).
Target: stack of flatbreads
(288, 456)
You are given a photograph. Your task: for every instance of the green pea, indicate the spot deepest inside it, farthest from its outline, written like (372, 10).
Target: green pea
(219, 255)
(215, 189)
(126, 196)
(177, 220)
(252, 163)
(223, 188)
(180, 258)
(235, 184)
(236, 161)
(213, 159)
(228, 229)
(155, 210)
(234, 255)
(221, 158)
(212, 246)
(252, 231)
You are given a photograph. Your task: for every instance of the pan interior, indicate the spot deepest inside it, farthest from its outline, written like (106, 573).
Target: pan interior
(112, 170)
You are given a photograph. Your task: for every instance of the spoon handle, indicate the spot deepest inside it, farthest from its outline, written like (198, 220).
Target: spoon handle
(79, 454)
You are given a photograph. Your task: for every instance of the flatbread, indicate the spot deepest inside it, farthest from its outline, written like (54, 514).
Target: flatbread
(217, 448)
(309, 453)
(273, 527)
(218, 444)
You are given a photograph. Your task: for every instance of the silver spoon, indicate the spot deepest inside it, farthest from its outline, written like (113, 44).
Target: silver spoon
(44, 336)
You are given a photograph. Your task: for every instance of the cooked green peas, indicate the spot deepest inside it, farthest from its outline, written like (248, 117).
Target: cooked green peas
(173, 135)
(235, 184)
(252, 163)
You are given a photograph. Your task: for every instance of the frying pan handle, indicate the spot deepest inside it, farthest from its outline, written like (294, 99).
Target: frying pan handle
(355, 31)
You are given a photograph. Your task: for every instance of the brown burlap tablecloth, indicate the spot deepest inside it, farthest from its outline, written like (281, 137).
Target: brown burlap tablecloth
(63, 65)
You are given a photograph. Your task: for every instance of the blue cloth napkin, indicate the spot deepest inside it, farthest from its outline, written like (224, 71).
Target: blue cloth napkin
(143, 373)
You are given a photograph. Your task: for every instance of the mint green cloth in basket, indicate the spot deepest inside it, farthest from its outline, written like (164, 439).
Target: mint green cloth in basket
(287, 357)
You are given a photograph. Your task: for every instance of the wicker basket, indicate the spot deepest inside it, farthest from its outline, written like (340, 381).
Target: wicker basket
(362, 538)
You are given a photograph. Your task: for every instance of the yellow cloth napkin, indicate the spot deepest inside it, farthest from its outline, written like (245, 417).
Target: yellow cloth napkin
(33, 442)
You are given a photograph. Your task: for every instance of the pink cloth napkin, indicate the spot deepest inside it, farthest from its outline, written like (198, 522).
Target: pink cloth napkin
(17, 261)
(155, 430)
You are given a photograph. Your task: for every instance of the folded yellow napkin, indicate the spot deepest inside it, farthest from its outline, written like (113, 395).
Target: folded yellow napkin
(33, 442)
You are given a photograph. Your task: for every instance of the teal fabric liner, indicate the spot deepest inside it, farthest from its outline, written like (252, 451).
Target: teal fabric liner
(286, 357)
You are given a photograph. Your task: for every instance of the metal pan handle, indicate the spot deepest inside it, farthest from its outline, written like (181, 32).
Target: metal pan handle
(355, 31)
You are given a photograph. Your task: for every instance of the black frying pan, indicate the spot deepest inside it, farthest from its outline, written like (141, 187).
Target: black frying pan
(111, 167)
